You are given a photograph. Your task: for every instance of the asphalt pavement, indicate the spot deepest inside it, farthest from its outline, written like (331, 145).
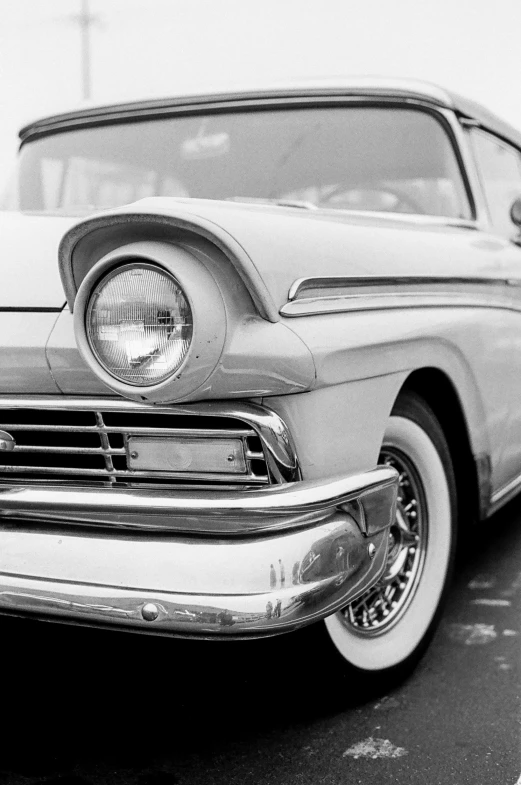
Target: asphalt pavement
(86, 707)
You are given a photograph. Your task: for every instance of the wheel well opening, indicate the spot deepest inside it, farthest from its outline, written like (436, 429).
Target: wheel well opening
(436, 389)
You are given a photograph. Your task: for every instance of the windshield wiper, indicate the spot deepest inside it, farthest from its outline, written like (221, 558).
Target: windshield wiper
(299, 204)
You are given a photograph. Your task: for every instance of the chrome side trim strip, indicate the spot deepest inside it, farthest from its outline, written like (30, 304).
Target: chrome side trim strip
(316, 286)
(32, 309)
(323, 305)
(276, 507)
(504, 494)
(309, 296)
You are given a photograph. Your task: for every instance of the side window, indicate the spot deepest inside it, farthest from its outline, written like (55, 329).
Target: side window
(499, 167)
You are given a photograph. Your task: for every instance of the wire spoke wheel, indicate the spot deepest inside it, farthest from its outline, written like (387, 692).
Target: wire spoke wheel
(380, 607)
(385, 631)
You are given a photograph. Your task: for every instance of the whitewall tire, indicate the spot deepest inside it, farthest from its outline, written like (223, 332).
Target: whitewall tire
(386, 630)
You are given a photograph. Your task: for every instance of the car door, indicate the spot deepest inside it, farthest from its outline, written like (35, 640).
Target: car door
(499, 169)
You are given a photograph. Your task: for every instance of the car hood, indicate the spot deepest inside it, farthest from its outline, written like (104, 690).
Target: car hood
(30, 274)
(272, 247)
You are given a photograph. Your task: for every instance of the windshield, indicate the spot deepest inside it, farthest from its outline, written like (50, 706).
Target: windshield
(349, 158)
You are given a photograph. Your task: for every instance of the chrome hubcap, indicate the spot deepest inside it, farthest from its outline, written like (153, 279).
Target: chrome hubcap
(381, 607)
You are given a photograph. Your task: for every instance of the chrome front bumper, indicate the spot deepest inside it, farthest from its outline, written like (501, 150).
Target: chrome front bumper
(259, 563)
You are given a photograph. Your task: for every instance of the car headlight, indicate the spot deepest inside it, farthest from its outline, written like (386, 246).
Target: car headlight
(150, 320)
(139, 324)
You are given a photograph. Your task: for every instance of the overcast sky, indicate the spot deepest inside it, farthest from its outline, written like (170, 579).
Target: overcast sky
(161, 47)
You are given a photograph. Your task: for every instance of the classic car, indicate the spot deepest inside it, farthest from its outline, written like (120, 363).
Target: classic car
(260, 362)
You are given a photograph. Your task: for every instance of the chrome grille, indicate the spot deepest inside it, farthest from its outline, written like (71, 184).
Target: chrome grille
(88, 445)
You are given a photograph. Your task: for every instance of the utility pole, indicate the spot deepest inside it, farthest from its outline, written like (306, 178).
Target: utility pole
(85, 20)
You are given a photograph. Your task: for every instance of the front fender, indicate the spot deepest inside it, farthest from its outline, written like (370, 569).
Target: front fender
(339, 428)
(362, 361)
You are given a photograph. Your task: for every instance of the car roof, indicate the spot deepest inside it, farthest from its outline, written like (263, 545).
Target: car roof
(338, 87)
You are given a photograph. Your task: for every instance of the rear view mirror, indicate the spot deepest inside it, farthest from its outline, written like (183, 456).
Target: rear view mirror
(515, 212)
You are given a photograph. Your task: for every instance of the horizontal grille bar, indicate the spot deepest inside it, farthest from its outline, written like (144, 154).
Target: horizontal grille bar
(135, 474)
(72, 450)
(198, 434)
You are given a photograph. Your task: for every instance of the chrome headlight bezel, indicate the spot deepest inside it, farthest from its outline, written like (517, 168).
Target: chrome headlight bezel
(203, 297)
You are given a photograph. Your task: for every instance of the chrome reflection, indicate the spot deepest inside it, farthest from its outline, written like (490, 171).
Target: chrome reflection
(279, 583)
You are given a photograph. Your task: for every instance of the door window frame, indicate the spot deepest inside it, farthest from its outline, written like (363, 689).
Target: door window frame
(472, 131)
